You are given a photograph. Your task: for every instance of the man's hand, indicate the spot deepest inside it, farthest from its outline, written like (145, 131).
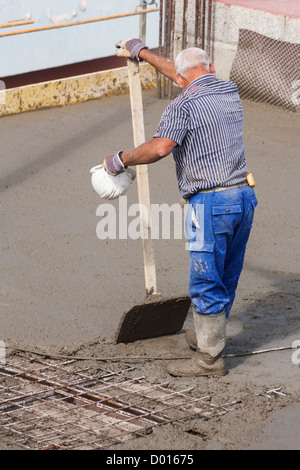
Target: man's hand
(130, 48)
(113, 164)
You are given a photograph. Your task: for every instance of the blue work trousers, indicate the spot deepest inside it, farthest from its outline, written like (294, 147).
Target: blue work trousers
(218, 225)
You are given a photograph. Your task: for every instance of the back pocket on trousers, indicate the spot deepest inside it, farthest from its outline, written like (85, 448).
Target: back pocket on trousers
(226, 217)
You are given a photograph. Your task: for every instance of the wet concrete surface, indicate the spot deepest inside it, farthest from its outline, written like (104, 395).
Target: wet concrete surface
(62, 286)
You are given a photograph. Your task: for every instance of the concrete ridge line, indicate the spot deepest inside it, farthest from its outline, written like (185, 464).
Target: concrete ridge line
(72, 90)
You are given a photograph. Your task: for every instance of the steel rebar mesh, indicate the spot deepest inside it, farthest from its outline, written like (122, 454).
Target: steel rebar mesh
(47, 404)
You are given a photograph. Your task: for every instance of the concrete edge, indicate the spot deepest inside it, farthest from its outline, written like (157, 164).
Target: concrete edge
(262, 6)
(72, 90)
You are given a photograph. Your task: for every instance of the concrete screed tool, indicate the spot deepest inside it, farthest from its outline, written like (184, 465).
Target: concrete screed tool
(155, 316)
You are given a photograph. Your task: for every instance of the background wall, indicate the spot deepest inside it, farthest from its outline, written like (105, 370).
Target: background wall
(281, 22)
(53, 48)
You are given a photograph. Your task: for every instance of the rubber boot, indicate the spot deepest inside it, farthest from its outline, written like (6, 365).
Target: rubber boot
(207, 361)
(190, 337)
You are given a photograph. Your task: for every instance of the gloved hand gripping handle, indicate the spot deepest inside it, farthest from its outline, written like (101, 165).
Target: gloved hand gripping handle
(130, 48)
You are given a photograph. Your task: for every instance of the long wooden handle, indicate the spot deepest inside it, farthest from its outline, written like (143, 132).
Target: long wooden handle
(142, 175)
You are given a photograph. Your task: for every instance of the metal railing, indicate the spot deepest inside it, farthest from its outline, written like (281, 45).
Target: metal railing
(137, 11)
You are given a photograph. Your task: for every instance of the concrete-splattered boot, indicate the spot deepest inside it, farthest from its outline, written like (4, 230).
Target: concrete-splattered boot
(190, 337)
(211, 338)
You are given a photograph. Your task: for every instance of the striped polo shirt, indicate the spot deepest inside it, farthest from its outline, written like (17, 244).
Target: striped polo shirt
(206, 122)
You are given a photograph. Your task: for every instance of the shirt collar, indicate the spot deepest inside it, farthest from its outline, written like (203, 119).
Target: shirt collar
(208, 78)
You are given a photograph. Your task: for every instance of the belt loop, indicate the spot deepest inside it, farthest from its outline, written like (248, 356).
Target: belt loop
(213, 192)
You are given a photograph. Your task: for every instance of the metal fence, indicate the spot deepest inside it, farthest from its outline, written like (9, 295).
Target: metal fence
(267, 70)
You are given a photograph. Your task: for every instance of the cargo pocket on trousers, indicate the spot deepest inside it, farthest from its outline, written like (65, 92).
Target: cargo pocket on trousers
(226, 217)
(195, 230)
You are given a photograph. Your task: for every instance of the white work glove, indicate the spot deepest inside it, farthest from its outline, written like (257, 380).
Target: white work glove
(130, 48)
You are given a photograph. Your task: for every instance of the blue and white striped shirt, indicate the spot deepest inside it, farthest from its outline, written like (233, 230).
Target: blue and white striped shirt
(206, 121)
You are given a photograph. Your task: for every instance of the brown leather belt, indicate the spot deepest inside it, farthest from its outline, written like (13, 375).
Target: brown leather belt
(223, 188)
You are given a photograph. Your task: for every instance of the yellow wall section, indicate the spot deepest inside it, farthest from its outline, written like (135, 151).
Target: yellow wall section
(72, 90)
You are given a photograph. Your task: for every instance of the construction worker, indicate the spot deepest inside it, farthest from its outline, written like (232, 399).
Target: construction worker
(203, 128)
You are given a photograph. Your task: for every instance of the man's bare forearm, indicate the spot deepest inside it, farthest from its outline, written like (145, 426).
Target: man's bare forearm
(149, 152)
(163, 65)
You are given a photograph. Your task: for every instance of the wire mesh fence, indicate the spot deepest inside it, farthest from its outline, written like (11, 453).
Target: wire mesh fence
(267, 70)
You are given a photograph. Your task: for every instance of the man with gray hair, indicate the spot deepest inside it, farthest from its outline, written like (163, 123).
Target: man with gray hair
(203, 128)
(190, 58)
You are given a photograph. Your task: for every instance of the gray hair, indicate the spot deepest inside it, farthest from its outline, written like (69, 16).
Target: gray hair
(190, 58)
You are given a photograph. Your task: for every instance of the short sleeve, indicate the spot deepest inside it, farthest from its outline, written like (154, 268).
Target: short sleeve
(173, 124)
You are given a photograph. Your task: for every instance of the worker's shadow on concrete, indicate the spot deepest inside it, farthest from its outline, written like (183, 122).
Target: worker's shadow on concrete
(267, 321)
(58, 151)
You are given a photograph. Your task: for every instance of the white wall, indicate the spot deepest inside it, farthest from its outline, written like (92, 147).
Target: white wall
(46, 49)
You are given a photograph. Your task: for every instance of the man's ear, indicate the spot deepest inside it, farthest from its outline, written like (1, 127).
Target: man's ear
(212, 68)
(180, 81)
